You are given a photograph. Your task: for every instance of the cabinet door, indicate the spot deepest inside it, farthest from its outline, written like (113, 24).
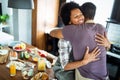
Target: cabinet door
(116, 11)
(113, 65)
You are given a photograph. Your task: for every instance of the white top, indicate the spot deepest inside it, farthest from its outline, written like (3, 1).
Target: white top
(64, 51)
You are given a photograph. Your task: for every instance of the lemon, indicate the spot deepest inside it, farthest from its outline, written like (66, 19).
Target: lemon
(35, 58)
(23, 45)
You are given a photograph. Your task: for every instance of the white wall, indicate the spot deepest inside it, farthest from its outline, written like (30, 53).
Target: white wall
(25, 18)
(104, 9)
(22, 24)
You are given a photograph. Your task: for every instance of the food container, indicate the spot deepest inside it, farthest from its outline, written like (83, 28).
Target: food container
(41, 64)
(27, 72)
(3, 56)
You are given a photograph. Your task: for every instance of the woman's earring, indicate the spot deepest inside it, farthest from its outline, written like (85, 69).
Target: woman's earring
(70, 22)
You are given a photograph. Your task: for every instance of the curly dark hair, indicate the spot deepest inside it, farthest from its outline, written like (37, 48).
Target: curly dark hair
(66, 11)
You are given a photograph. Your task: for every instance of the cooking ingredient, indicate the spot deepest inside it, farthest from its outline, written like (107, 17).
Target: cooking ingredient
(26, 55)
(22, 55)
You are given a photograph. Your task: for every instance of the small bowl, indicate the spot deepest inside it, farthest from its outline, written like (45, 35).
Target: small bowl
(19, 47)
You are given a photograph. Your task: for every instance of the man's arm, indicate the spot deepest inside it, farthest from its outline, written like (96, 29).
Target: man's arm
(57, 33)
(88, 57)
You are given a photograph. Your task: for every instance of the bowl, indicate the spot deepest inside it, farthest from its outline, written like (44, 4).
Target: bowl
(19, 47)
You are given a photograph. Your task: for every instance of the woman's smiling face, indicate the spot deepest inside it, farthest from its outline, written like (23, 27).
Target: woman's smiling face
(76, 17)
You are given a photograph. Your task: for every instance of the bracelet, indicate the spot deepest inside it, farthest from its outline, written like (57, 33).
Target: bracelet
(111, 48)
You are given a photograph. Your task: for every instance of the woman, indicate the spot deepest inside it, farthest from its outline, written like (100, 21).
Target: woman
(72, 15)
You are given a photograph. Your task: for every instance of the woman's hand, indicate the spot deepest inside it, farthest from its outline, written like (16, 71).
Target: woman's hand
(88, 57)
(102, 40)
(91, 56)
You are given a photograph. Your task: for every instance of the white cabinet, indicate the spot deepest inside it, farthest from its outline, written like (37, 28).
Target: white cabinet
(5, 38)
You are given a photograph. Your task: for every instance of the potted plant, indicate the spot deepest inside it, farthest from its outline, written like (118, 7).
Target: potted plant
(3, 18)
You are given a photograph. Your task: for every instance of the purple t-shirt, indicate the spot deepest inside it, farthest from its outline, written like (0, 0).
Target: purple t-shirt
(82, 36)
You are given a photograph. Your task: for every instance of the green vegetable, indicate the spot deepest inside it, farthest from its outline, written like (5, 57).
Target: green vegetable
(27, 55)
(1, 46)
(22, 55)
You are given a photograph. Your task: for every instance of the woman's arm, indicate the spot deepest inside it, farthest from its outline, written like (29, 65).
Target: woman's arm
(57, 33)
(103, 40)
(88, 57)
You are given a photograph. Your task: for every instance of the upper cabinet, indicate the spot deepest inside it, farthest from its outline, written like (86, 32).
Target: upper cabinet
(116, 11)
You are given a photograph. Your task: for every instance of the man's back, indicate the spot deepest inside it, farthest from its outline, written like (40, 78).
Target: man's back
(82, 36)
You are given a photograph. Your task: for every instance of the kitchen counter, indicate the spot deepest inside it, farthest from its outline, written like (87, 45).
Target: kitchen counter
(113, 55)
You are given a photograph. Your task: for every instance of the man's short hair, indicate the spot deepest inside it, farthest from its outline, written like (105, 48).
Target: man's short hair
(88, 10)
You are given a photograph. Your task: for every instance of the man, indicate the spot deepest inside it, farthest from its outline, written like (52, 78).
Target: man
(81, 36)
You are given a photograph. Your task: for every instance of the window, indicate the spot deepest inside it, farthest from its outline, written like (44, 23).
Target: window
(104, 9)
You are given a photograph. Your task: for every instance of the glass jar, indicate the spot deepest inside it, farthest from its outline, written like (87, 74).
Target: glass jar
(13, 55)
(41, 64)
